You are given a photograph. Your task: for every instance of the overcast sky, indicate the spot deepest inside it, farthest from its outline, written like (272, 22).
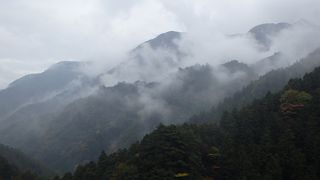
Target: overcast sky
(37, 33)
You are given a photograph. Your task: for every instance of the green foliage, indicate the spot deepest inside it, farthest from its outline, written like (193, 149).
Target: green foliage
(256, 142)
(14, 165)
(11, 172)
(6, 170)
(295, 97)
(272, 82)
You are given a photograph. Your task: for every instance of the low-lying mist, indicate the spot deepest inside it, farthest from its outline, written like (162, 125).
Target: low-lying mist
(164, 80)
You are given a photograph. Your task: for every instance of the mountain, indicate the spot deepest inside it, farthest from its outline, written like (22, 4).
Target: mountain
(270, 82)
(276, 137)
(149, 61)
(64, 117)
(236, 66)
(32, 101)
(10, 171)
(267, 64)
(7, 171)
(18, 163)
(263, 33)
(165, 40)
(117, 116)
(35, 87)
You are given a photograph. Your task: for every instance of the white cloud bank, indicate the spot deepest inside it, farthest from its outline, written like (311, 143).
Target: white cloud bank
(37, 33)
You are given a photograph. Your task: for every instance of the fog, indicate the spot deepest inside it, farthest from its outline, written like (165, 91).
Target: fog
(127, 78)
(105, 36)
(206, 46)
(35, 34)
(201, 51)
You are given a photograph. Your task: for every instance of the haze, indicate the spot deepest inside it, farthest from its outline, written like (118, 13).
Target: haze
(37, 33)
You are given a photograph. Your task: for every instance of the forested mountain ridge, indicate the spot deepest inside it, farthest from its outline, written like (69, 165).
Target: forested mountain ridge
(117, 116)
(16, 165)
(9, 171)
(34, 87)
(276, 137)
(270, 82)
(263, 33)
(164, 40)
(59, 125)
(33, 100)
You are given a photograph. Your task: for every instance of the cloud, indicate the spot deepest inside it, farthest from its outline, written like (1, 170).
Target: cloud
(232, 16)
(297, 42)
(55, 30)
(47, 31)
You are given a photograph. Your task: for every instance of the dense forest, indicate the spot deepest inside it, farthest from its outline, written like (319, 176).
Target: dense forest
(251, 135)
(159, 90)
(18, 166)
(272, 81)
(9, 171)
(262, 125)
(276, 137)
(62, 117)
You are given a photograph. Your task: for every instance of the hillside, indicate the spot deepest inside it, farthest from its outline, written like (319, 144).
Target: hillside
(35, 87)
(159, 90)
(63, 117)
(117, 116)
(276, 137)
(272, 82)
(15, 163)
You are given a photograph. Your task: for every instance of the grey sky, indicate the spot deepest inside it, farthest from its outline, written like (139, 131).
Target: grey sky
(37, 33)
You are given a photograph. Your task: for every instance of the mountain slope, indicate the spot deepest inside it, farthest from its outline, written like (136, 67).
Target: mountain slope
(57, 124)
(165, 40)
(35, 87)
(119, 115)
(263, 33)
(150, 61)
(32, 101)
(122, 114)
(21, 163)
(276, 137)
(271, 82)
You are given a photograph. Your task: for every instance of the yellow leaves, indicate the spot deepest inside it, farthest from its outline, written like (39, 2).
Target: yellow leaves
(214, 153)
(182, 174)
(293, 100)
(295, 97)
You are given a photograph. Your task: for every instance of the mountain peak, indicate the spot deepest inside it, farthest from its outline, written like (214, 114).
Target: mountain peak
(269, 27)
(164, 40)
(65, 65)
(234, 66)
(263, 32)
(170, 35)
